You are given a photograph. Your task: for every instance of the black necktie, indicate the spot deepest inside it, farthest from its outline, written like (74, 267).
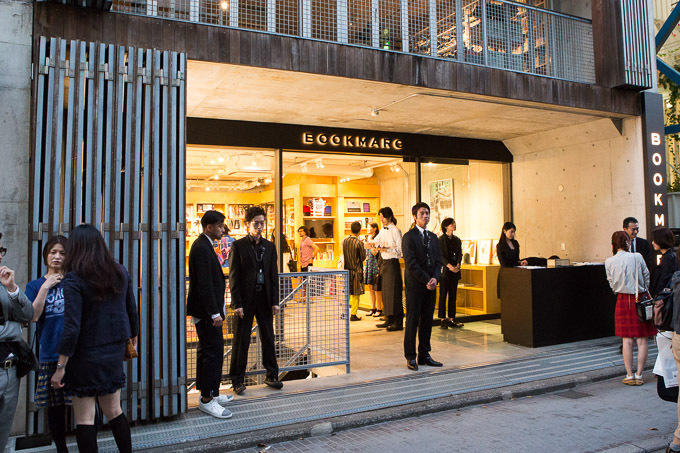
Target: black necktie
(633, 245)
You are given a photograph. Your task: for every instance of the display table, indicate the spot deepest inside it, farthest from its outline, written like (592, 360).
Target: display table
(541, 307)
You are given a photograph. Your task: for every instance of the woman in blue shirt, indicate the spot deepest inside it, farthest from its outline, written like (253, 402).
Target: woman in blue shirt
(47, 296)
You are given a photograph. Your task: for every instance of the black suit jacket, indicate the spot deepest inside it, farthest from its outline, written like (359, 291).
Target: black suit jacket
(457, 255)
(243, 273)
(643, 247)
(417, 271)
(206, 281)
(507, 256)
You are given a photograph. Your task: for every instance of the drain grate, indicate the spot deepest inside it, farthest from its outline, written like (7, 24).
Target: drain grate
(573, 394)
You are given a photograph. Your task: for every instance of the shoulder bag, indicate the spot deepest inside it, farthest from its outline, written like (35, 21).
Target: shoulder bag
(644, 305)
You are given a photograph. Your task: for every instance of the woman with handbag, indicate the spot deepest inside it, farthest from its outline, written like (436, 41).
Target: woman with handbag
(100, 315)
(663, 241)
(47, 296)
(628, 276)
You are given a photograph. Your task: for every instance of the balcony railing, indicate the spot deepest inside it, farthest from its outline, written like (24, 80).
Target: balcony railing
(494, 33)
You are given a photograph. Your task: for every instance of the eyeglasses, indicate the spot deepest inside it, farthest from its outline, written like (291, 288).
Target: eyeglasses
(3, 251)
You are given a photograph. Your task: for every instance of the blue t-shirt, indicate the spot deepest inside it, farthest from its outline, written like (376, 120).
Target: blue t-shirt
(51, 322)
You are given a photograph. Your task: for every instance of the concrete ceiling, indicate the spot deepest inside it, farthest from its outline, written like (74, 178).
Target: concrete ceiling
(253, 94)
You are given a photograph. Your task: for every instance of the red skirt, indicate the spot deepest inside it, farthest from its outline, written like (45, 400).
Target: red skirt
(626, 322)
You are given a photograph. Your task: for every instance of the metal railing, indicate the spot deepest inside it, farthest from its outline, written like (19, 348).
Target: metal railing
(495, 33)
(310, 331)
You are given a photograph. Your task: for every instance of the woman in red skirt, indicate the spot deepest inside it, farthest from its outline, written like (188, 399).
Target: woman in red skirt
(623, 270)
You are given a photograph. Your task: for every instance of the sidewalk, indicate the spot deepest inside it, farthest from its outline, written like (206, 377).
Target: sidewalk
(268, 417)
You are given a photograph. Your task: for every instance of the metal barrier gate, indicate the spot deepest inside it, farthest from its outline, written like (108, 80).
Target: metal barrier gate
(310, 331)
(109, 149)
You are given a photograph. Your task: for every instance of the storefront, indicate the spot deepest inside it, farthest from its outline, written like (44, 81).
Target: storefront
(327, 178)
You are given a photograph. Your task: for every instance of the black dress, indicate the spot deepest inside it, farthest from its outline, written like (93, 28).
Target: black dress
(508, 258)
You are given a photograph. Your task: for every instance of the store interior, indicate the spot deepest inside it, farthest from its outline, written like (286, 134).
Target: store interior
(328, 191)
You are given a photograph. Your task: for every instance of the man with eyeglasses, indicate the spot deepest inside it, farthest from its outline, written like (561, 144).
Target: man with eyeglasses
(16, 310)
(205, 304)
(254, 286)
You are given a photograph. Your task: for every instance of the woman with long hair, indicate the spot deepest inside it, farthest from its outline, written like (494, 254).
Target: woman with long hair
(47, 296)
(628, 275)
(372, 272)
(507, 248)
(100, 316)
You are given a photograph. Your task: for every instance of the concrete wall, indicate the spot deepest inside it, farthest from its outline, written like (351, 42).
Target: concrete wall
(15, 83)
(574, 186)
(580, 8)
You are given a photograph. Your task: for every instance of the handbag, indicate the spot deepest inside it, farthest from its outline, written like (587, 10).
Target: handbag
(130, 350)
(663, 311)
(27, 361)
(645, 305)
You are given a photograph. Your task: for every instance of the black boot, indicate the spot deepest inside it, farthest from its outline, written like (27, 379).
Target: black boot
(56, 420)
(86, 436)
(121, 432)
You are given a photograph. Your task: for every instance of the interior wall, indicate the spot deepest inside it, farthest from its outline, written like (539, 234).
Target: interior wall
(573, 187)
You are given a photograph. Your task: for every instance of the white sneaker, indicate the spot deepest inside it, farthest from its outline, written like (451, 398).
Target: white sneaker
(214, 408)
(223, 400)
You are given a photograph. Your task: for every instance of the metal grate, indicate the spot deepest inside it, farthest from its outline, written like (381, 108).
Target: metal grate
(497, 33)
(311, 331)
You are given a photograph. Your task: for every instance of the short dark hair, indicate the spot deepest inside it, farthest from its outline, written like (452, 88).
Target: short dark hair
(388, 214)
(253, 212)
(629, 220)
(663, 237)
(305, 229)
(211, 218)
(355, 227)
(416, 207)
(51, 242)
(446, 222)
(620, 240)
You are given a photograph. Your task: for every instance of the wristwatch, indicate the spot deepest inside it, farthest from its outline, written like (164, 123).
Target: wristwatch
(60, 366)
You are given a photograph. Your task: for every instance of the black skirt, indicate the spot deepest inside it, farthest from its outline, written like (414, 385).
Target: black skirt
(96, 371)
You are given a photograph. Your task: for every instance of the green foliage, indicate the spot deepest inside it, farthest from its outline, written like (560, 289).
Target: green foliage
(672, 117)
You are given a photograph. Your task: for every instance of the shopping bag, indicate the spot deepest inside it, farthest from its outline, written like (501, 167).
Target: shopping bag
(665, 366)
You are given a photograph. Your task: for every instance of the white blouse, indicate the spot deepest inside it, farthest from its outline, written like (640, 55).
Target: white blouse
(390, 238)
(621, 269)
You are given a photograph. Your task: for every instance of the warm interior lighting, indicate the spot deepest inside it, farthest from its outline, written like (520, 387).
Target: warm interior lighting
(225, 6)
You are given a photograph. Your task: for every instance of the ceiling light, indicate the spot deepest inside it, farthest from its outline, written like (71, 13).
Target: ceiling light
(216, 177)
(220, 159)
(225, 5)
(207, 189)
(254, 164)
(375, 112)
(430, 164)
(212, 162)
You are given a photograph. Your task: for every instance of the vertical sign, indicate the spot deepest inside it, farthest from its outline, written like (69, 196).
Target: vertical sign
(654, 148)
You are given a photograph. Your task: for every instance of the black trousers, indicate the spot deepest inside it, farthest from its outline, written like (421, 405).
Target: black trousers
(209, 358)
(392, 287)
(419, 311)
(260, 309)
(448, 286)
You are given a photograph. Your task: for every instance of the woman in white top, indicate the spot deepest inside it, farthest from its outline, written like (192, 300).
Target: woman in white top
(388, 242)
(624, 269)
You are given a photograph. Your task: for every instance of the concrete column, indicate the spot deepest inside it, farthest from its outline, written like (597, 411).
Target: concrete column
(16, 17)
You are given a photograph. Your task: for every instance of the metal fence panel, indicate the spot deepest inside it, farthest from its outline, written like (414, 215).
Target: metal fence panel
(102, 154)
(497, 33)
(310, 331)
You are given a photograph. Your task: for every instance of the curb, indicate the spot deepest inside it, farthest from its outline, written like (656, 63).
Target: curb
(326, 426)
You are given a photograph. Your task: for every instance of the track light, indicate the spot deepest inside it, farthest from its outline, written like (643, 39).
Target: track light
(375, 112)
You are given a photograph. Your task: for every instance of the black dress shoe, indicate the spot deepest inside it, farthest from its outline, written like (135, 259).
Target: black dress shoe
(354, 318)
(412, 365)
(273, 383)
(238, 388)
(394, 327)
(387, 323)
(429, 361)
(444, 324)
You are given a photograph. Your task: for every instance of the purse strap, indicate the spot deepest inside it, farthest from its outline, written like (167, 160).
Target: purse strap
(636, 277)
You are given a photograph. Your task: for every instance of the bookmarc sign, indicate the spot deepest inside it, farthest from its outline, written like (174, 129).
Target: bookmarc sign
(351, 141)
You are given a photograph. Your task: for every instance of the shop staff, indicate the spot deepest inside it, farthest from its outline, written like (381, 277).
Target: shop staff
(16, 310)
(422, 258)
(354, 254)
(507, 248)
(205, 304)
(389, 245)
(638, 244)
(452, 255)
(254, 286)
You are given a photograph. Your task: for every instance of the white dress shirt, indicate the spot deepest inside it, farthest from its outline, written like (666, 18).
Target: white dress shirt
(389, 238)
(621, 270)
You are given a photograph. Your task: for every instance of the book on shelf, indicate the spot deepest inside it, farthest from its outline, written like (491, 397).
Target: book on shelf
(353, 206)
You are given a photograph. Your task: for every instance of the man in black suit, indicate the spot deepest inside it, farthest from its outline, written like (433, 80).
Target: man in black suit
(254, 286)
(639, 245)
(205, 304)
(422, 258)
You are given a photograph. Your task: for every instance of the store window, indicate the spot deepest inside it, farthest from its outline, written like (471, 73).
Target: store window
(229, 180)
(326, 193)
(473, 194)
